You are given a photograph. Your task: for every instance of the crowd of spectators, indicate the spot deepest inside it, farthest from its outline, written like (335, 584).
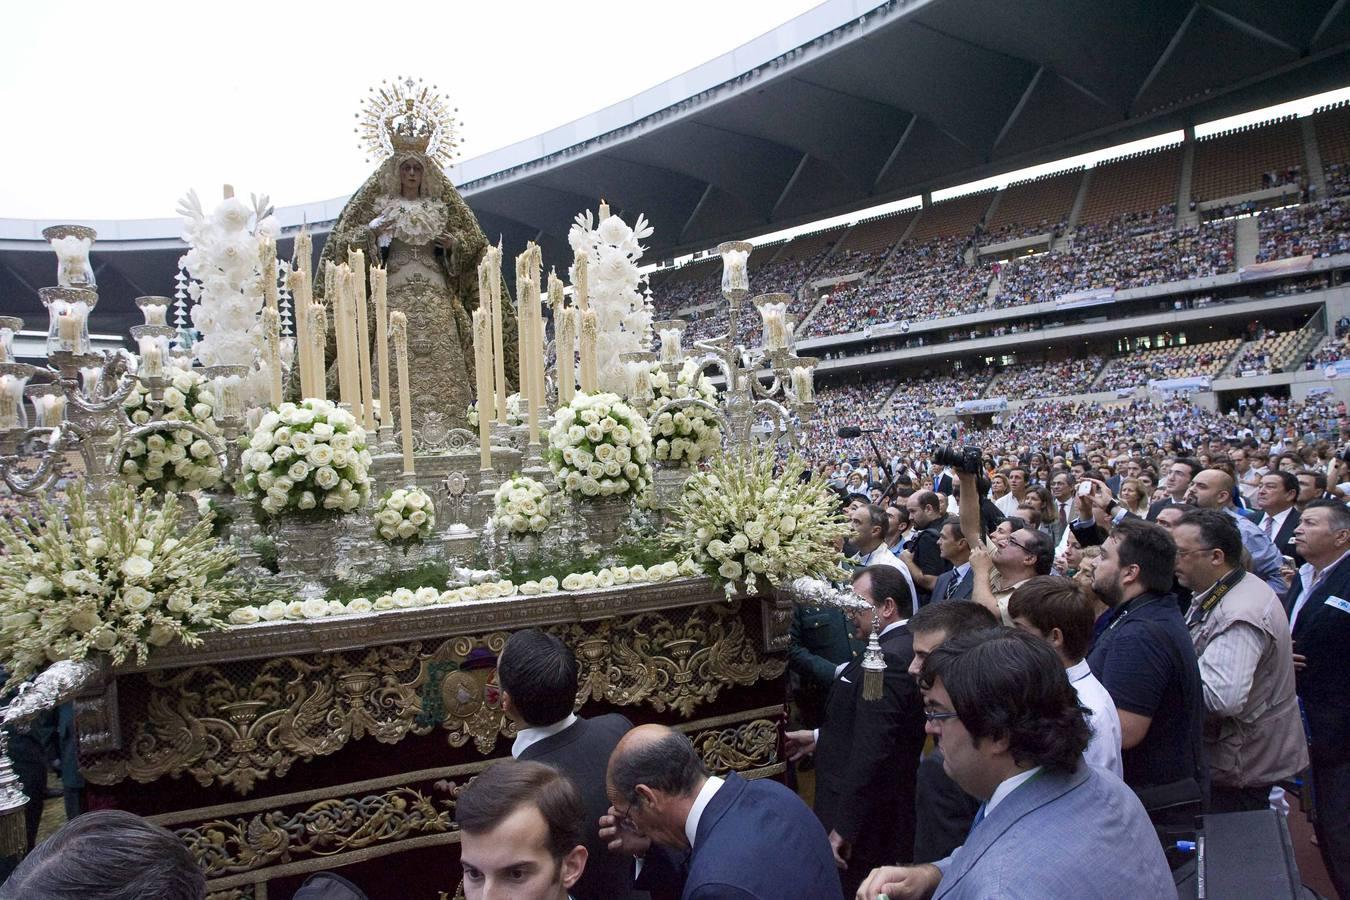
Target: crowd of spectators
(1048, 379)
(1172, 361)
(1312, 229)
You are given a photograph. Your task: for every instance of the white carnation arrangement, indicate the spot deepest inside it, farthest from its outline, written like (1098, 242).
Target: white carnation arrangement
(109, 576)
(741, 520)
(522, 506)
(485, 586)
(405, 516)
(307, 457)
(600, 447)
(623, 315)
(175, 460)
(685, 436)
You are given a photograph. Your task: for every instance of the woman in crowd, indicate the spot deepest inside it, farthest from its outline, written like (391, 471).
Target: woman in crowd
(1134, 497)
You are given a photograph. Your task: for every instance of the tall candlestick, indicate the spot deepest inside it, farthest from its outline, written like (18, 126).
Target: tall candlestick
(271, 324)
(318, 335)
(296, 281)
(540, 388)
(523, 381)
(486, 389)
(581, 281)
(498, 354)
(357, 260)
(556, 304)
(302, 259)
(482, 352)
(564, 342)
(589, 333)
(267, 265)
(398, 329)
(379, 286)
(349, 390)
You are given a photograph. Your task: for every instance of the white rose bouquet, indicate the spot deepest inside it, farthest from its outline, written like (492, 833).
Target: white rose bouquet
(405, 516)
(522, 506)
(600, 447)
(112, 576)
(685, 436)
(741, 521)
(173, 460)
(307, 457)
(515, 415)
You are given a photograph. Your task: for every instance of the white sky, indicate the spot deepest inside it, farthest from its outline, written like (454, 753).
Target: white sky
(115, 109)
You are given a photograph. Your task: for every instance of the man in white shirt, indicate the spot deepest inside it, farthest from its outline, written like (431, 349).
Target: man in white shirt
(1058, 610)
(869, 540)
(1017, 484)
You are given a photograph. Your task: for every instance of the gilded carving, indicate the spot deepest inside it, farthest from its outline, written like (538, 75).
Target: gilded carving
(747, 746)
(237, 726)
(228, 845)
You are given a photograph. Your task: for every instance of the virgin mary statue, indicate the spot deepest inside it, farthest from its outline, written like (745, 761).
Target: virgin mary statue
(409, 216)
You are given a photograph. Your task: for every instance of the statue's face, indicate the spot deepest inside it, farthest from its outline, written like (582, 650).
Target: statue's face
(410, 174)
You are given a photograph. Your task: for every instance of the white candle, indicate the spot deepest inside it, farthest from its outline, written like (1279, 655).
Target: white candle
(398, 328)
(498, 353)
(482, 352)
(735, 275)
(152, 359)
(9, 406)
(271, 324)
(803, 384)
(68, 331)
(670, 345)
(379, 286)
(589, 334)
(318, 320)
(297, 282)
(357, 260)
(564, 342)
(581, 281)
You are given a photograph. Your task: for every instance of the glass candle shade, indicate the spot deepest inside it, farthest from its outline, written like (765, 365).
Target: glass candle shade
(671, 333)
(155, 309)
(13, 379)
(9, 326)
(735, 267)
(227, 386)
(803, 379)
(153, 344)
(49, 404)
(773, 313)
(68, 310)
(71, 244)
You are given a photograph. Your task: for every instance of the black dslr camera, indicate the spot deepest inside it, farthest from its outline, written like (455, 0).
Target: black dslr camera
(963, 459)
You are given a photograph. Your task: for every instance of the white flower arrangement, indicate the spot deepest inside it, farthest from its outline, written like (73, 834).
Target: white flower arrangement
(488, 588)
(741, 521)
(522, 506)
(515, 415)
(112, 576)
(685, 436)
(623, 315)
(224, 262)
(307, 457)
(600, 447)
(170, 461)
(405, 516)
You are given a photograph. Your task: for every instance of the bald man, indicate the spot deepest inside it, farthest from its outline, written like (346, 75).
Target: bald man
(745, 840)
(1213, 489)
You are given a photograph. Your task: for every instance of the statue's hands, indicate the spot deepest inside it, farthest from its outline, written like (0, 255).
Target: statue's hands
(447, 241)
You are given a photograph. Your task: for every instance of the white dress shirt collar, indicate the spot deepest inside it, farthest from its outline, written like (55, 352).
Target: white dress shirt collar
(705, 795)
(1309, 578)
(1007, 787)
(528, 737)
(1278, 519)
(1078, 671)
(892, 627)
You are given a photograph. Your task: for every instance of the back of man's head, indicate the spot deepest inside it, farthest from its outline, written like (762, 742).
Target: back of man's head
(108, 855)
(950, 618)
(886, 582)
(539, 672)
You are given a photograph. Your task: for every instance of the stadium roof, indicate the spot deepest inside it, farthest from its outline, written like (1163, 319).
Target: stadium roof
(845, 107)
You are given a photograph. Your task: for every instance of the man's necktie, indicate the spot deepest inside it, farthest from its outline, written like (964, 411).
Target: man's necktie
(979, 817)
(1268, 523)
(952, 585)
(1064, 513)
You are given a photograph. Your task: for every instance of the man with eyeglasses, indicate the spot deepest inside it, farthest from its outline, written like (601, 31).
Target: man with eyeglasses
(1177, 481)
(1049, 824)
(1253, 734)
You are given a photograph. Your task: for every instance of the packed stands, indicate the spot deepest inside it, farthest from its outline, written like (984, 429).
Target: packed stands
(1314, 229)
(1331, 124)
(867, 244)
(1058, 378)
(1269, 353)
(1269, 154)
(1177, 361)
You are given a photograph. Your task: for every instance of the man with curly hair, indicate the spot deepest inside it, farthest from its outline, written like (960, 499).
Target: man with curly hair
(1050, 825)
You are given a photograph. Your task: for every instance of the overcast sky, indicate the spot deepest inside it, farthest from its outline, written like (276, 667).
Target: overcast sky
(115, 109)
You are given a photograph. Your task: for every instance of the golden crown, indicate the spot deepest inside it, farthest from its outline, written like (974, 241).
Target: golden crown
(408, 115)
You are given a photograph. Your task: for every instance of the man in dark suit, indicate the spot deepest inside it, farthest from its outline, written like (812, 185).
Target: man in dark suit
(1277, 498)
(1319, 619)
(538, 677)
(955, 583)
(1177, 482)
(924, 561)
(711, 838)
(867, 751)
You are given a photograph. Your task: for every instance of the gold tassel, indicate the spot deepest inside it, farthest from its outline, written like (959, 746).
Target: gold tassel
(873, 665)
